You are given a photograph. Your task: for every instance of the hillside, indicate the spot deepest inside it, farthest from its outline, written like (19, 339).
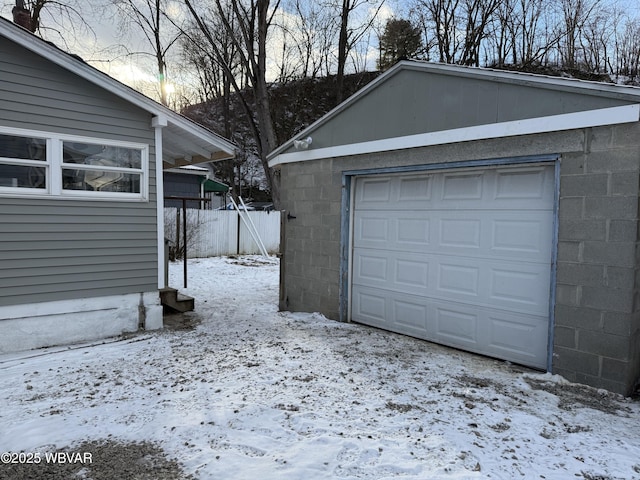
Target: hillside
(295, 105)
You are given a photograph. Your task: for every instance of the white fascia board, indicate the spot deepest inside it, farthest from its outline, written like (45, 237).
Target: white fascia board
(552, 123)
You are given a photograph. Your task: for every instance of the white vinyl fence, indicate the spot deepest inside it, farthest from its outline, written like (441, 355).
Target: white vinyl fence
(212, 233)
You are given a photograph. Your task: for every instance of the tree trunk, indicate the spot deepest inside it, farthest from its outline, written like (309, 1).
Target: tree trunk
(342, 49)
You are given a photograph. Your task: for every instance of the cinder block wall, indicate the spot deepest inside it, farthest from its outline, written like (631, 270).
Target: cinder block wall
(597, 311)
(596, 314)
(310, 266)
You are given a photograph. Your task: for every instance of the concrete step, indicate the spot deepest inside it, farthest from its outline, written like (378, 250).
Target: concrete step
(172, 300)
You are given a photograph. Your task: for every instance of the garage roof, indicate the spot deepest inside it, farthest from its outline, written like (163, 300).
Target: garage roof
(419, 103)
(184, 141)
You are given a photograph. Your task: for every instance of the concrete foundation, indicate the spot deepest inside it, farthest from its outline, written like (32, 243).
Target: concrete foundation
(27, 327)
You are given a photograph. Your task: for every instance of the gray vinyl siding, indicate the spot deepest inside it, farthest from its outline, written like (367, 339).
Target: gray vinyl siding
(55, 248)
(435, 102)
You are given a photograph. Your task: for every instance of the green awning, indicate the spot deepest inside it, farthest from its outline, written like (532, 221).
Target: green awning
(213, 186)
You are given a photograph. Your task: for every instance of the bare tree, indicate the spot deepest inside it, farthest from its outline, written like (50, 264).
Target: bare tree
(217, 64)
(444, 16)
(574, 15)
(349, 34)
(596, 40)
(524, 32)
(478, 15)
(502, 40)
(627, 46)
(52, 19)
(315, 29)
(149, 18)
(252, 19)
(460, 27)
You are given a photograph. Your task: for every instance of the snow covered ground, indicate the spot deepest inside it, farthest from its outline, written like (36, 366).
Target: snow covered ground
(253, 393)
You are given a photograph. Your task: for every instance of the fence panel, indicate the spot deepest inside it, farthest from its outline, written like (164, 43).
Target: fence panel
(268, 226)
(212, 233)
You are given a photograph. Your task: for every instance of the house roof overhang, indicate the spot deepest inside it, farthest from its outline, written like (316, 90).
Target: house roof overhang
(184, 141)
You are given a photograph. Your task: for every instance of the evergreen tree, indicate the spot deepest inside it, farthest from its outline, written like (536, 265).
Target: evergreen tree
(400, 40)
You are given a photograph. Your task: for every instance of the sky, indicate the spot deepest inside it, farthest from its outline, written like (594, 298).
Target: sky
(103, 43)
(100, 40)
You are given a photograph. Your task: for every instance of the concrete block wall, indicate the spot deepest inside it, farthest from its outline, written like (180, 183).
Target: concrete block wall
(597, 310)
(310, 253)
(312, 192)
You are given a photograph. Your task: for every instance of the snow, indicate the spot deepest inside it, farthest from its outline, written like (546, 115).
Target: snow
(251, 392)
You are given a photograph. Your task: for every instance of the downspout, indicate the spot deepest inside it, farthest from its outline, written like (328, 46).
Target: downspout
(158, 123)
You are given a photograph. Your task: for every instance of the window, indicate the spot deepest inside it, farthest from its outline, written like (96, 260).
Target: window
(101, 168)
(60, 165)
(23, 162)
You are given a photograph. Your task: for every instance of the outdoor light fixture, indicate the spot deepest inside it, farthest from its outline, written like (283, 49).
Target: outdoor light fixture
(302, 144)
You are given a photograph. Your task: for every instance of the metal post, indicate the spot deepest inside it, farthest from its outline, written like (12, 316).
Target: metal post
(184, 236)
(184, 226)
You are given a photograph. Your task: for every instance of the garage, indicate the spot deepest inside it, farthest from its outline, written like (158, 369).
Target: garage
(457, 257)
(495, 212)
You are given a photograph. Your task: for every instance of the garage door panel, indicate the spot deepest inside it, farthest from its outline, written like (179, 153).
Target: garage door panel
(373, 229)
(413, 231)
(456, 279)
(460, 258)
(412, 273)
(374, 192)
(514, 337)
(391, 271)
(524, 183)
(410, 315)
(414, 189)
(373, 268)
(519, 287)
(456, 325)
(370, 305)
(461, 187)
(402, 313)
(459, 233)
(507, 285)
(393, 230)
(514, 236)
(519, 338)
(494, 235)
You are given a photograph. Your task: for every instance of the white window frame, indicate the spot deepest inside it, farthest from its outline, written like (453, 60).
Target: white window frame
(24, 162)
(54, 165)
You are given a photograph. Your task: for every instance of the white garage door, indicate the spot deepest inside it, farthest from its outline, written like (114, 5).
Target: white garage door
(459, 258)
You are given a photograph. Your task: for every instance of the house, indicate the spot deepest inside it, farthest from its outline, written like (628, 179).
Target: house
(193, 182)
(81, 210)
(490, 211)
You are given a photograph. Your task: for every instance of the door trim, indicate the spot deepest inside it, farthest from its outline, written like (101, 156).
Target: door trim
(346, 227)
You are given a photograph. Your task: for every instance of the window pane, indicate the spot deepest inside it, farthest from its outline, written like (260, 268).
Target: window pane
(108, 156)
(22, 176)
(100, 181)
(24, 148)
